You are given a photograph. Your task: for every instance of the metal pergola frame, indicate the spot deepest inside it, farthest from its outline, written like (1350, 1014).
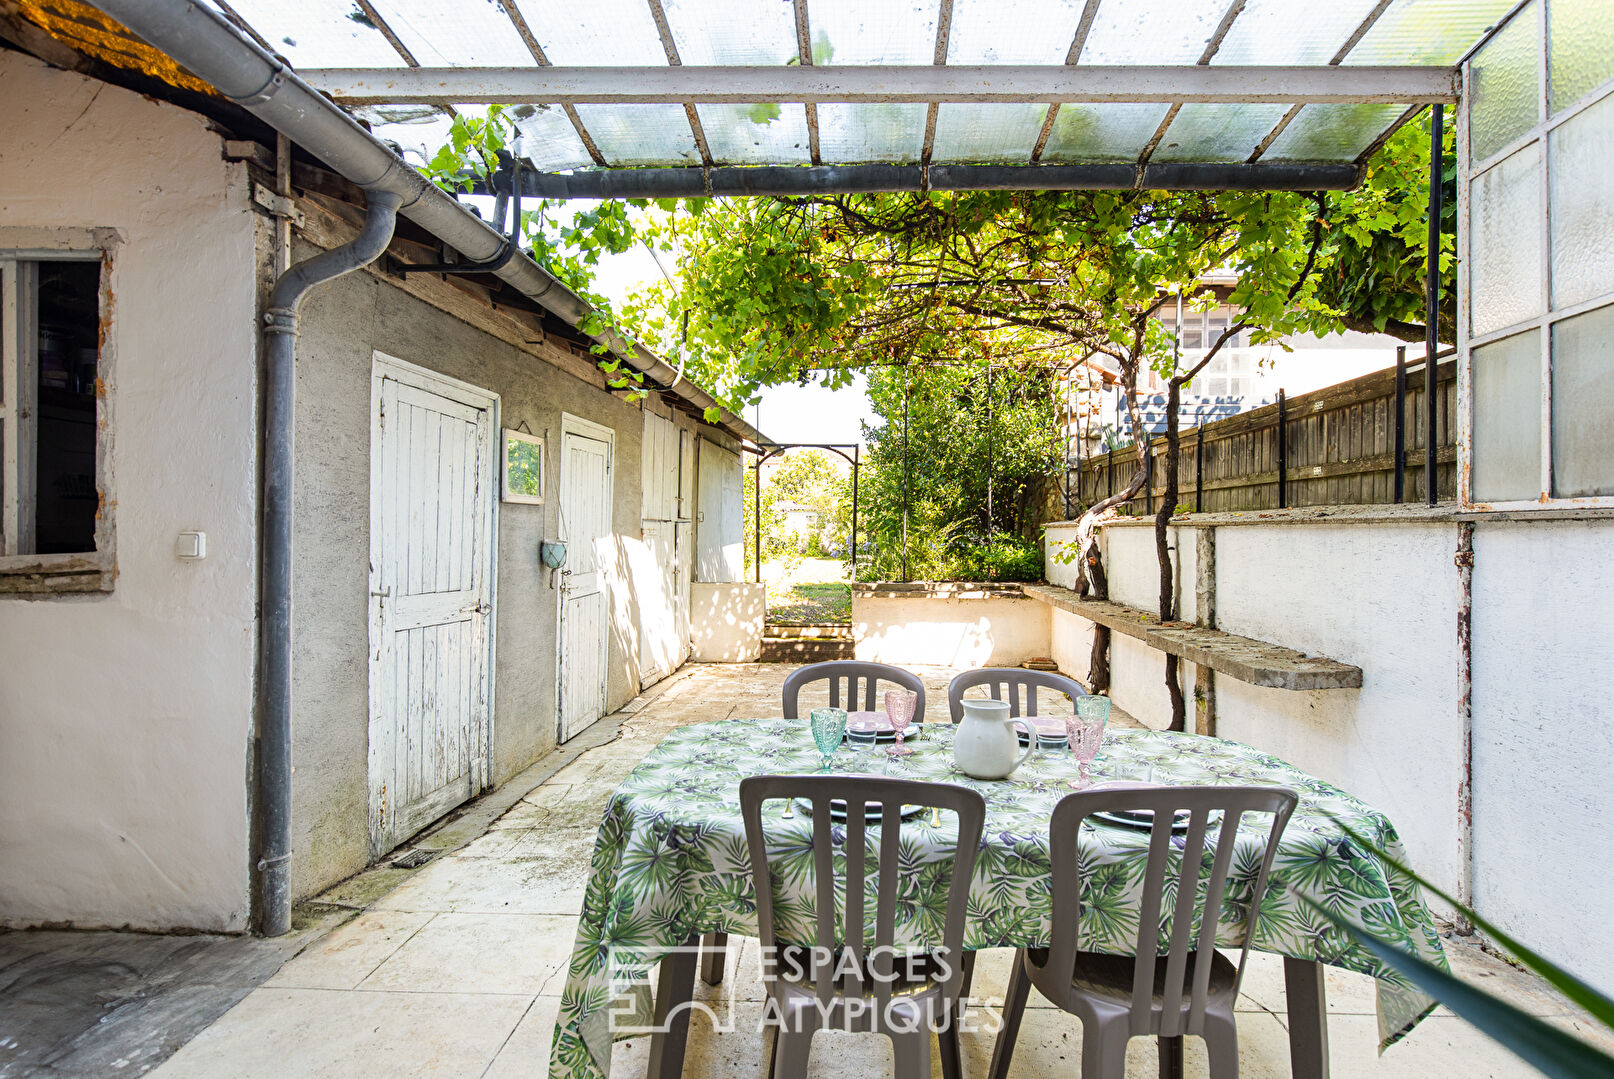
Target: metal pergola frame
(773, 450)
(810, 84)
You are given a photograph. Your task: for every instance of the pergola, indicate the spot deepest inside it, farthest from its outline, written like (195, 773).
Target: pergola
(648, 98)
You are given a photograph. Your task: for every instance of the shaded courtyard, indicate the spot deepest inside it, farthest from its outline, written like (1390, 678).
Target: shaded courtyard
(456, 968)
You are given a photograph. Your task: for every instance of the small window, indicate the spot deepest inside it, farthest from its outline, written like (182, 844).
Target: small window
(50, 322)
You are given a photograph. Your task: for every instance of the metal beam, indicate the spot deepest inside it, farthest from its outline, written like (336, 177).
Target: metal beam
(884, 83)
(788, 180)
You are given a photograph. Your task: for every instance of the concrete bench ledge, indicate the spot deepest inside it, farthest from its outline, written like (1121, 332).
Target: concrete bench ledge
(936, 590)
(1243, 658)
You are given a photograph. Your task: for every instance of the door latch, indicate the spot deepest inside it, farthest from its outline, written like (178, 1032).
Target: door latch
(479, 608)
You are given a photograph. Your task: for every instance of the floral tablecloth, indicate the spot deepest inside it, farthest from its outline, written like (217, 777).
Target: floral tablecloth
(671, 861)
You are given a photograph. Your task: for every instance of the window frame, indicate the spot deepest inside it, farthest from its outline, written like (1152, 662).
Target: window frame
(56, 573)
(1543, 321)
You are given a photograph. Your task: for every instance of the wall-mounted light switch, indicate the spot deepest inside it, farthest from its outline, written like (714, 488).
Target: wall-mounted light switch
(191, 546)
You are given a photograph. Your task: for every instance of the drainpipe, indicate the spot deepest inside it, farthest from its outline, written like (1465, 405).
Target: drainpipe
(212, 49)
(274, 642)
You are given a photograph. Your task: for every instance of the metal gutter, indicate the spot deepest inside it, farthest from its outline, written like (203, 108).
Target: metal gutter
(208, 46)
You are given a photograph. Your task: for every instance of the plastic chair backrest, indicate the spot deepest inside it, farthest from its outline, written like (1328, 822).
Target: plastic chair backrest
(1014, 680)
(853, 673)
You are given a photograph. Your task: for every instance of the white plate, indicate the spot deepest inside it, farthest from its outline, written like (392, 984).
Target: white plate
(1143, 819)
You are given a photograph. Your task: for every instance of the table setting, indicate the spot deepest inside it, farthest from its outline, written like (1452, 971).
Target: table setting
(670, 860)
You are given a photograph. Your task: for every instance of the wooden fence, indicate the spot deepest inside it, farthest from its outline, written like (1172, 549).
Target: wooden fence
(1340, 450)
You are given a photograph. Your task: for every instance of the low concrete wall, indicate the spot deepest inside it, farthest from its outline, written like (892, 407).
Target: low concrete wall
(725, 622)
(1378, 589)
(960, 625)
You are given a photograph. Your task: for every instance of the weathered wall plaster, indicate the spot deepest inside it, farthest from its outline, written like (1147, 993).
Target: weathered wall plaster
(725, 622)
(344, 323)
(126, 718)
(991, 631)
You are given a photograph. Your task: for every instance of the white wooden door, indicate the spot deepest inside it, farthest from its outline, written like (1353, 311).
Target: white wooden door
(431, 599)
(585, 609)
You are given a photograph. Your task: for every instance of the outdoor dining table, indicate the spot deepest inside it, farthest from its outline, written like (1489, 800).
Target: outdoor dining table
(671, 863)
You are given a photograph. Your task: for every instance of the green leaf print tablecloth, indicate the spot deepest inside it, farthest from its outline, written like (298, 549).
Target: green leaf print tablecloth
(671, 861)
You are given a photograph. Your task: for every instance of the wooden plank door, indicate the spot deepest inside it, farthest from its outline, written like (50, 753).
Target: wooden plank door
(431, 599)
(585, 525)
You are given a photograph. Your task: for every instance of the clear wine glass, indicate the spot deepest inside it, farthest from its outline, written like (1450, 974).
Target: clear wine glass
(899, 708)
(828, 727)
(1085, 733)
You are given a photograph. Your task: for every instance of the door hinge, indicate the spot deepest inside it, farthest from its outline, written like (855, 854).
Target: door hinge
(277, 205)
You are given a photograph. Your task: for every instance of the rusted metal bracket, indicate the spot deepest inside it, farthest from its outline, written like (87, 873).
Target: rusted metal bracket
(277, 205)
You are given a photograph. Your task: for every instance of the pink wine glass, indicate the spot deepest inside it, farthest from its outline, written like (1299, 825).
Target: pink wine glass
(1084, 731)
(899, 708)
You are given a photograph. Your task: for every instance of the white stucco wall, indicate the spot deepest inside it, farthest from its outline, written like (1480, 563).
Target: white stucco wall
(125, 718)
(1544, 737)
(1384, 595)
(725, 622)
(990, 631)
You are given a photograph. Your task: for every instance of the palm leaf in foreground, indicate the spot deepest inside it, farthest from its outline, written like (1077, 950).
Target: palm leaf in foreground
(1600, 1006)
(1553, 1051)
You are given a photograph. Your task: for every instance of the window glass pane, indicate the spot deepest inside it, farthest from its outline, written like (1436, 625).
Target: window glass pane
(1217, 132)
(548, 139)
(1116, 131)
(1505, 76)
(1507, 419)
(1427, 31)
(858, 32)
(714, 32)
(1291, 31)
(580, 35)
(461, 34)
(1332, 132)
(1580, 48)
(1579, 152)
(987, 133)
(867, 131)
(318, 33)
(1583, 405)
(1505, 213)
(752, 134)
(65, 497)
(1012, 31)
(641, 134)
(1150, 32)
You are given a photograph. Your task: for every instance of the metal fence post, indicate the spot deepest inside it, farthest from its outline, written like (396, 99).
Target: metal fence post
(1199, 469)
(1431, 337)
(1400, 422)
(1283, 453)
(856, 452)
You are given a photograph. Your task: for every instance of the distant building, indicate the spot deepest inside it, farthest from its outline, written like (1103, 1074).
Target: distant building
(1241, 377)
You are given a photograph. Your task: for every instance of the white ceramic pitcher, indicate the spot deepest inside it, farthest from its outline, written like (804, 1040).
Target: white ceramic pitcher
(985, 745)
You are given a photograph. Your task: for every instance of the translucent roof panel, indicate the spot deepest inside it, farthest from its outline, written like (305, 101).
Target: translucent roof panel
(1332, 132)
(756, 134)
(1291, 31)
(859, 32)
(744, 32)
(1427, 31)
(548, 139)
(457, 34)
(631, 135)
(862, 133)
(1012, 31)
(1152, 32)
(1102, 132)
(579, 35)
(319, 33)
(988, 134)
(1217, 132)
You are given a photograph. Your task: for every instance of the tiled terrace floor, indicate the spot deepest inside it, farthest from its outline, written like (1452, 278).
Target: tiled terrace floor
(457, 971)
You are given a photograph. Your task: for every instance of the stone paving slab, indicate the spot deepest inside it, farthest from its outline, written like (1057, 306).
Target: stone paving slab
(449, 974)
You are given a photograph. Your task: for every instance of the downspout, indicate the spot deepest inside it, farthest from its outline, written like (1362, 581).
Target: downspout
(274, 641)
(211, 48)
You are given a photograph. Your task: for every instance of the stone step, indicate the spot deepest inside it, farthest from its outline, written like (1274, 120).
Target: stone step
(815, 630)
(804, 649)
